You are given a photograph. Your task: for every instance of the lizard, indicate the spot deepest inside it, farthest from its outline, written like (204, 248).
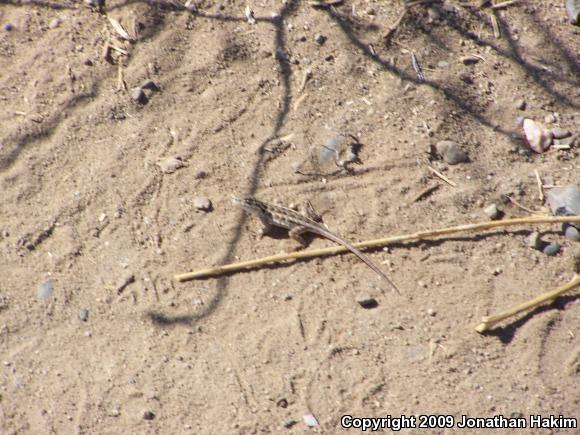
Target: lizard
(297, 224)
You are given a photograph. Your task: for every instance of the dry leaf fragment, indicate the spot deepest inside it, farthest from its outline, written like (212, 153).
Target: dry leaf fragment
(120, 30)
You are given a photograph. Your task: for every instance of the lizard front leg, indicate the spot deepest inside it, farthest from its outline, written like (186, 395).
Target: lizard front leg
(264, 228)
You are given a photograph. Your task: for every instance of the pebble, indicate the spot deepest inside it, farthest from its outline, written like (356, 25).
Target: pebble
(329, 58)
(319, 39)
(560, 133)
(367, 301)
(45, 289)
(552, 249)
(567, 141)
(202, 203)
(550, 118)
(84, 314)
(138, 96)
(539, 139)
(521, 104)
(54, 23)
(170, 164)
(451, 152)
(571, 232)
(534, 240)
(470, 60)
(443, 64)
(148, 415)
(431, 312)
(150, 85)
(88, 62)
(8, 27)
(492, 212)
(310, 420)
(200, 174)
(289, 423)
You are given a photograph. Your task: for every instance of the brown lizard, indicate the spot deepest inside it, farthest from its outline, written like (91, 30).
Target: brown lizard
(297, 224)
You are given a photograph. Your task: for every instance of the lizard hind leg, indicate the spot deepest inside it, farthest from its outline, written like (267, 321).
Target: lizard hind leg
(297, 234)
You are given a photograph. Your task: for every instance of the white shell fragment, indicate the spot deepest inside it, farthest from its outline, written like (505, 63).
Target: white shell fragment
(250, 15)
(539, 139)
(310, 420)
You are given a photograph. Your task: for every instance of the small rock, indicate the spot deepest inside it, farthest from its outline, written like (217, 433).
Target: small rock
(329, 58)
(492, 212)
(87, 62)
(539, 139)
(443, 64)
(520, 121)
(202, 203)
(431, 312)
(552, 249)
(150, 85)
(470, 60)
(367, 301)
(54, 23)
(433, 15)
(534, 240)
(139, 96)
(148, 415)
(550, 118)
(319, 39)
(564, 200)
(84, 314)
(8, 27)
(289, 423)
(571, 232)
(451, 152)
(45, 289)
(521, 104)
(170, 164)
(560, 133)
(200, 174)
(310, 420)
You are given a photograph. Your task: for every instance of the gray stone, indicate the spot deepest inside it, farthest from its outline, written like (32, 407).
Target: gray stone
(571, 232)
(564, 200)
(521, 104)
(470, 60)
(367, 301)
(552, 249)
(202, 203)
(550, 118)
(451, 152)
(319, 39)
(150, 85)
(573, 10)
(148, 415)
(138, 96)
(534, 240)
(492, 212)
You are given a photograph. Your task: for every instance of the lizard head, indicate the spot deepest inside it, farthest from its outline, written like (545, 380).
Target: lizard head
(247, 203)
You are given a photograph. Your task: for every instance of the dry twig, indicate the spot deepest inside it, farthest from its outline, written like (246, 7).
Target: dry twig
(440, 175)
(378, 243)
(489, 322)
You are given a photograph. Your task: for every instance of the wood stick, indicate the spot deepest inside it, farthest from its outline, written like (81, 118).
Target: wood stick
(540, 185)
(440, 175)
(420, 235)
(489, 322)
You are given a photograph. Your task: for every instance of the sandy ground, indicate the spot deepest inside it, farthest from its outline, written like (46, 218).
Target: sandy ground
(94, 201)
